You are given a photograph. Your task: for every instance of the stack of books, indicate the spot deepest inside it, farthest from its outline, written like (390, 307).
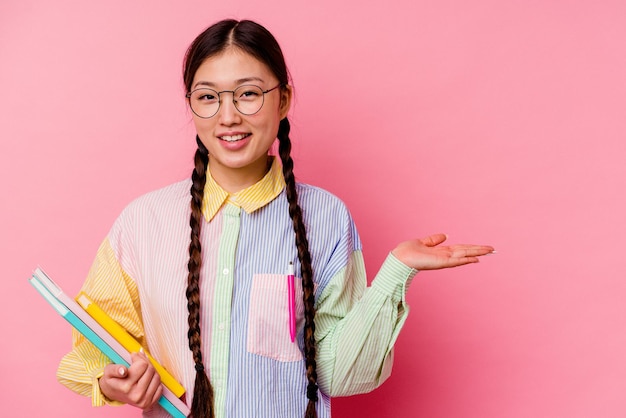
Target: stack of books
(106, 334)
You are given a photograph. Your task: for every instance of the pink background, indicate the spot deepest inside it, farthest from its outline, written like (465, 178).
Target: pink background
(496, 122)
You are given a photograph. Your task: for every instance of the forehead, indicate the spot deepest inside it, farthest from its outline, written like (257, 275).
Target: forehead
(231, 66)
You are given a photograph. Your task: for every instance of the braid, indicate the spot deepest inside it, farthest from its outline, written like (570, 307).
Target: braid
(302, 244)
(202, 406)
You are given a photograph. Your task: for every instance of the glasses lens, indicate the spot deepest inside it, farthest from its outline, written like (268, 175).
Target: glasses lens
(204, 102)
(248, 99)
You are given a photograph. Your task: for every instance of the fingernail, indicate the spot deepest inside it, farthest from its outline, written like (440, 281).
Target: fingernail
(492, 253)
(122, 371)
(141, 349)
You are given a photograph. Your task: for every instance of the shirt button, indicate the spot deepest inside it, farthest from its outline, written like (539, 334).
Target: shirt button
(221, 326)
(231, 221)
(225, 271)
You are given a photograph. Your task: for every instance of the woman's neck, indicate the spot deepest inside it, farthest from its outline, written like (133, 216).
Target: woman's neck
(235, 179)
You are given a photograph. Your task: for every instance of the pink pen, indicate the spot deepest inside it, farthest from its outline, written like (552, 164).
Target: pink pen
(292, 302)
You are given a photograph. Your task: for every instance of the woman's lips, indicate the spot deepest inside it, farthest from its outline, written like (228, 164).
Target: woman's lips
(234, 142)
(233, 138)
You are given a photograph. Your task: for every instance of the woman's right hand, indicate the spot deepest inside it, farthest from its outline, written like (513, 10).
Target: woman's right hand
(138, 385)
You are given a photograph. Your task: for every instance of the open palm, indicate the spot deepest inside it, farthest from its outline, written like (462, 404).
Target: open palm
(428, 254)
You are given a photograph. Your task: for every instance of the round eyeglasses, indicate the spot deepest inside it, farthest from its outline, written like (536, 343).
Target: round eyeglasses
(248, 100)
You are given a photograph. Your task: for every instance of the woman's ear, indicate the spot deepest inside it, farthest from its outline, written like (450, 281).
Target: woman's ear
(286, 93)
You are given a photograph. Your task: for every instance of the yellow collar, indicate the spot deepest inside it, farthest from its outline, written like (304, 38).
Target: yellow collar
(250, 199)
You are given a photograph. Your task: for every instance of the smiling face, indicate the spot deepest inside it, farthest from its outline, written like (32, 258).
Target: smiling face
(238, 144)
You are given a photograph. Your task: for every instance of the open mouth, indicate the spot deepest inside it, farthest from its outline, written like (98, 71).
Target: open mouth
(234, 138)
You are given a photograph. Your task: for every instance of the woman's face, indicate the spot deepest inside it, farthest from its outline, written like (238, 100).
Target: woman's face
(238, 144)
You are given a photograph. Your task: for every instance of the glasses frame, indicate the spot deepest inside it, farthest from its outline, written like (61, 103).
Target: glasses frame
(219, 98)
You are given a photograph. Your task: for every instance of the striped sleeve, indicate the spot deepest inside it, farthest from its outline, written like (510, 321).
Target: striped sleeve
(357, 326)
(116, 292)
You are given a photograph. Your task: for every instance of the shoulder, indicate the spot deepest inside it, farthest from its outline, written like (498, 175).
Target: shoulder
(317, 199)
(323, 208)
(158, 205)
(158, 217)
(171, 194)
(331, 230)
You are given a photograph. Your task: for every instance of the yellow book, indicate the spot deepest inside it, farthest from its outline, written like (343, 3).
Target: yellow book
(127, 341)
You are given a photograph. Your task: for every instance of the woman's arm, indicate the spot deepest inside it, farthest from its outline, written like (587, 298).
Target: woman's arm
(85, 369)
(357, 326)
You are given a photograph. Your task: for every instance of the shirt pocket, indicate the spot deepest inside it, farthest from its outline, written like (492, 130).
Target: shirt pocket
(268, 318)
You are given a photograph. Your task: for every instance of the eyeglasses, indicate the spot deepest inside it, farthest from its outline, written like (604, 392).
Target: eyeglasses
(248, 99)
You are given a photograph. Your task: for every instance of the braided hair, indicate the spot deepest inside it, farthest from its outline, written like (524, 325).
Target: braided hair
(202, 405)
(257, 41)
(302, 244)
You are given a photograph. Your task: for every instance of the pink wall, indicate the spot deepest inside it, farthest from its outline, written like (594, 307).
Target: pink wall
(496, 122)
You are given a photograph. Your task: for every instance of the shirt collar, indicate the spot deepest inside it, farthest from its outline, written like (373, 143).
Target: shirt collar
(250, 199)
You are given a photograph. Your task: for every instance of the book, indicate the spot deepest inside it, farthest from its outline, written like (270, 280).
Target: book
(73, 313)
(128, 341)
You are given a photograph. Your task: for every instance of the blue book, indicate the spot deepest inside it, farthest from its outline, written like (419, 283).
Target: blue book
(167, 402)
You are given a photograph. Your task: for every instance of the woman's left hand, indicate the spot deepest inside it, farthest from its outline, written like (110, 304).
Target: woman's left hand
(427, 254)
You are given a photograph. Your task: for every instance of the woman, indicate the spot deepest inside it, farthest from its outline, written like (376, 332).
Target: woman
(249, 220)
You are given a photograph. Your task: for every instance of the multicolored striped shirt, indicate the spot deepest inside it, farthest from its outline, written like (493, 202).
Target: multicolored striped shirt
(140, 277)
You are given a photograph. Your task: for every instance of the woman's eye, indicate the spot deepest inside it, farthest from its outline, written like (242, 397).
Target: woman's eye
(249, 94)
(206, 97)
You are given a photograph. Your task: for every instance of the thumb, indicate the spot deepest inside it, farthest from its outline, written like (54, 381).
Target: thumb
(115, 371)
(434, 240)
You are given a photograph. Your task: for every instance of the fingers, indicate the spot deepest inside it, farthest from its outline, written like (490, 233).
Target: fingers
(112, 382)
(115, 371)
(428, 254)
(156, 384)
(470, 250)
(434, 240)
(461, 261)
(147, 388)
(467, 254)
(138, 385)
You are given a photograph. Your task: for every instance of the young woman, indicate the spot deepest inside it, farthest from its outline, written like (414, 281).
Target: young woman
(203, 284)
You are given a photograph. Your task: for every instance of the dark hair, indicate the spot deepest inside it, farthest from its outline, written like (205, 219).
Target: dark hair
(257, 41)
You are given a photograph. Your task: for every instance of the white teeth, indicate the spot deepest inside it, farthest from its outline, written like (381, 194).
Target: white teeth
(233, 138)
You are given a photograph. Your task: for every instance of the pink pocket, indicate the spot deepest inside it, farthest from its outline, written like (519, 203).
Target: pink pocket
(268, 319)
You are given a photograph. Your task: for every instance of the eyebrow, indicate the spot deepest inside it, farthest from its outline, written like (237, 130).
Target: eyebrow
(238, 82)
